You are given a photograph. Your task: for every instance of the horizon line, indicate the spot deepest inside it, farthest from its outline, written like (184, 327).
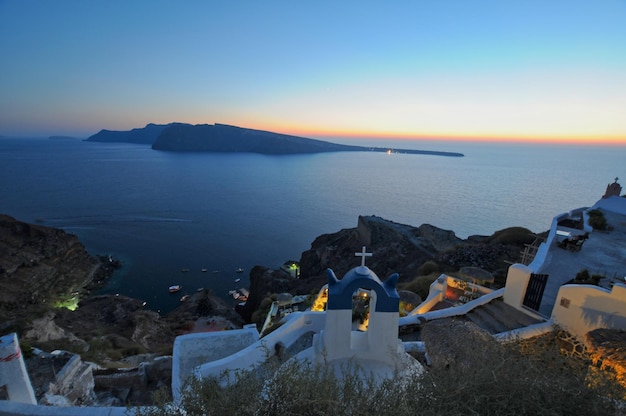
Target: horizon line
(616, 140)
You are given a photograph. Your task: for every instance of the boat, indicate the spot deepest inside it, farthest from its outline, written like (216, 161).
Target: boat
(237, 280)
(240, 294)
(184, 298)
(239, 270)
(204, 270)
(175, 288)
(184, 270)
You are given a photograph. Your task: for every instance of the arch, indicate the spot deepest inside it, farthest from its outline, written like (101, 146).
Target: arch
(340, 291)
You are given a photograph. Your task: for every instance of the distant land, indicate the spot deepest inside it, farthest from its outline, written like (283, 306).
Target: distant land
(181, 137)
(146, 135)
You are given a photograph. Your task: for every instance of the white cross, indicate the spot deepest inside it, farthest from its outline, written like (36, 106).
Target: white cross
(362, 255)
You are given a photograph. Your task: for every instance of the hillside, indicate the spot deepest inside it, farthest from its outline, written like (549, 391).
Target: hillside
(397, 248)
(145, 135)
(42, 267)
(221, 138)
(48, 279)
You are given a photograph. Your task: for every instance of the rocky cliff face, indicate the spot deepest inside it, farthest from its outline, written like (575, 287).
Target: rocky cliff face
(395, 248)
(44, 270)
(42, 266)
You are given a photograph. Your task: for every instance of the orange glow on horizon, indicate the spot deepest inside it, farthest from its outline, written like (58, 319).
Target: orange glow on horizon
(612, 141)
(329, 134)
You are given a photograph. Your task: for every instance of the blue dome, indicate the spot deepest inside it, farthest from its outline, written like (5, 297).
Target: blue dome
(340, 291)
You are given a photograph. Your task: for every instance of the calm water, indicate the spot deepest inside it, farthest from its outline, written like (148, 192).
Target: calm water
(160, 212)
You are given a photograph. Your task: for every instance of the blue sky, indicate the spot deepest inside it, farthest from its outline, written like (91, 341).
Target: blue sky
(476, 69)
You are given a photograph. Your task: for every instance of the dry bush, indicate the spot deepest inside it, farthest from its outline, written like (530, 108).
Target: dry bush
(478, 375)
(471, 374)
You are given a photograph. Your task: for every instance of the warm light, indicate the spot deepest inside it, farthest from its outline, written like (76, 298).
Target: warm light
(71, 303)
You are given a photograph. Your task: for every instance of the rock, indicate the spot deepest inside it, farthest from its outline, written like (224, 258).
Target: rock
(61, 379)
(264, 282)
(119, 325)
(45, 329)
(201, 305)
(396, 248)
(41, 267)
(606, 350)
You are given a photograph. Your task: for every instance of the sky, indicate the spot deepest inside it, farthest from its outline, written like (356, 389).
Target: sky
(532, 70)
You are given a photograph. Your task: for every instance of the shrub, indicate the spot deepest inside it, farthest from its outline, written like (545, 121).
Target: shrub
(27, 350)
(513, 235)
(298, 388)
(428, 267)
(597, 219)
(582, 275)
(484, 378)
(523, 377)
(420, 285)
(584, 278)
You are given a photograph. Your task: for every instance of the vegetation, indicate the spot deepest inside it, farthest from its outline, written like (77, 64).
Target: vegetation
(487, 379)
(583, 277)
(597, 220)
(420, 285)
(428, 267)
(258, 316)
(517, 236)
(27, 350)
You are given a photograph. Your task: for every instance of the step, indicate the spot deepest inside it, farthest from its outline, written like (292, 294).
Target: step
(518, 316)
(495, 325)
(505, 320)
(475, 318)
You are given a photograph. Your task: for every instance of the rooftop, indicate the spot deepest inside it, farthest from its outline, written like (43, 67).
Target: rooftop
(603, 253)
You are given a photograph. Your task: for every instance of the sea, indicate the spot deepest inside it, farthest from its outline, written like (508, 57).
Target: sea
(160, 212)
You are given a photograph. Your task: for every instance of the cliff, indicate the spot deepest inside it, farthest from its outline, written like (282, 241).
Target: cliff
(42, 266)
(47, 277)
(145, 135)
(396, 248)
(45, 270)
(42, 269)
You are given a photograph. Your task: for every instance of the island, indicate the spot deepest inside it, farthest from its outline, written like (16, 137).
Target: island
(222, 138)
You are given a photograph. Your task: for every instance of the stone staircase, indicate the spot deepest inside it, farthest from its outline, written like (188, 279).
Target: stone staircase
(497, 316)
